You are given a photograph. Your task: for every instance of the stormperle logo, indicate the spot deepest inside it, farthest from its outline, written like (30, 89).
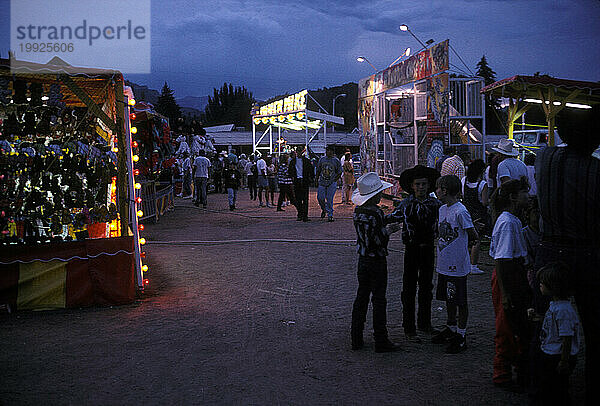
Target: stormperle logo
(84, 31)
(107, 34)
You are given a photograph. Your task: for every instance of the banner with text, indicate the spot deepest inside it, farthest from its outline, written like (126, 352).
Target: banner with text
(426, 63)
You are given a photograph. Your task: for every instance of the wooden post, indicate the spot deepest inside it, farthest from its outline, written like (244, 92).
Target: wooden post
(122, 189)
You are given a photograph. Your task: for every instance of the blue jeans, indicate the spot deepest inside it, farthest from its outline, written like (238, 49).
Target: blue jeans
(200, 190)
(231, 196)
(325, 195)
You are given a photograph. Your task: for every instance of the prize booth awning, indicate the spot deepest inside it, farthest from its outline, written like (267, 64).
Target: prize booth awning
(68, 205)
(552, 94)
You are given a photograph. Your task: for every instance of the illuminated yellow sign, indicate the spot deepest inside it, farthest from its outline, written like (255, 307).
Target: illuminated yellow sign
(294, 102)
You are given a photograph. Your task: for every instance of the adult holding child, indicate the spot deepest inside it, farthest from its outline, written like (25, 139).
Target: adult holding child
(568, 186)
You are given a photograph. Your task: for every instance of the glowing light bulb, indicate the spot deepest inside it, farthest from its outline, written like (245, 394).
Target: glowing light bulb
(143, 254)
(137, 186)
(146, 282)
(142, 241)
(115, 149)
(136, 158)
(134, 130)
(144, 268)
(140, 213)
(134, 144)
(132, 116)
(141, 227)
(136, 172)
(138, 200)
(131, 102)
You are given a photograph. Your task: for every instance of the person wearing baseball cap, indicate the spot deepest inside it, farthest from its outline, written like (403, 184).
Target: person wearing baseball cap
(372, 241)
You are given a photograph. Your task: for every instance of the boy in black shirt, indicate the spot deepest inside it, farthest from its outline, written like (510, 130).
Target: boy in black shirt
(232, 179)
(418, 214)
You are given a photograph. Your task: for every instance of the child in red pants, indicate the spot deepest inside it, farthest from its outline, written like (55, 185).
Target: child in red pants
(510, 289)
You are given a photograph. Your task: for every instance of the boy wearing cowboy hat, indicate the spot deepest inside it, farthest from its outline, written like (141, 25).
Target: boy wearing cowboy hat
(510, 167)
(372, 241)
(418, 214)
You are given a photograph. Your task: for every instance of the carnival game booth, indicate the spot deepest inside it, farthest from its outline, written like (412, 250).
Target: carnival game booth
(68, 208)
(298, 112)
(409, 112)
(156, 162)
(552, 94)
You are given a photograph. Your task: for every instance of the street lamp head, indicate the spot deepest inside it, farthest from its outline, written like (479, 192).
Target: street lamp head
(407, 52)
(364, 59)
(404, 27)
(342, 95)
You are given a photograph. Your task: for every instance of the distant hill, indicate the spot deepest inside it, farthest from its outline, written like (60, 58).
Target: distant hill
(143, 93)
(197, 103)
(191, 112)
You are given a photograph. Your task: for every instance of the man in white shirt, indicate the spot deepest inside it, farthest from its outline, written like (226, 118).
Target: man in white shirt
(201, 165)
(511, 167)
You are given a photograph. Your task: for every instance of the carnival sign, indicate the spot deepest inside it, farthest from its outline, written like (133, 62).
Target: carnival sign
(426, 63)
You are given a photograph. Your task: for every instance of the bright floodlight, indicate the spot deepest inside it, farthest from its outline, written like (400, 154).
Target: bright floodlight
(364, 59)
(404, 27)
(407, 52)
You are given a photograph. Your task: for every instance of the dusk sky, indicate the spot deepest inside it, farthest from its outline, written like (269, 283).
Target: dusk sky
(277, 46)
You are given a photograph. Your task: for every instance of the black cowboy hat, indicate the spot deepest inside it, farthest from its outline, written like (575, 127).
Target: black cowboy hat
(419, 171)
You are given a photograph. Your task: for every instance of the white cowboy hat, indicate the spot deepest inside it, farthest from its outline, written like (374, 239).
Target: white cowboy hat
(369, 185)
(506, 147)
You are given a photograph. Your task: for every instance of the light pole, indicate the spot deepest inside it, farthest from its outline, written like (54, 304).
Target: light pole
(333, 110)
(406, 53)
(404, 27)
(364, 59)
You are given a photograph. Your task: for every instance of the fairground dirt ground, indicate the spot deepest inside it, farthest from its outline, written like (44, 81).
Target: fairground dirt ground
(247, 322)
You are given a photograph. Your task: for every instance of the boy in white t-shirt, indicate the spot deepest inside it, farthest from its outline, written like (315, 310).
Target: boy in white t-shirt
(559, 338)
(455, 229)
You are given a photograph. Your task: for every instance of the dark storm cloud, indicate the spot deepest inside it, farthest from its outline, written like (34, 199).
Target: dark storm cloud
(277, 46)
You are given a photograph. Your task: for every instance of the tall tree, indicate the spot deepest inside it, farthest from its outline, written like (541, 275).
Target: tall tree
(167, 106)
(229, 105)
(494, 120)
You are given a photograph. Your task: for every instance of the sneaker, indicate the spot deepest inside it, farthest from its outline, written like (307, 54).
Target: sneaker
(442, 336)
(330, 219)
(475, 270)
(386, 346)
(261, 204)
(323, 214)
(457, 344)
(268, 205)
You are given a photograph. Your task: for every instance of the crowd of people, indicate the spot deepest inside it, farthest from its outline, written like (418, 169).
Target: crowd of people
(289, 174)
(538, 214)
(543, 225)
